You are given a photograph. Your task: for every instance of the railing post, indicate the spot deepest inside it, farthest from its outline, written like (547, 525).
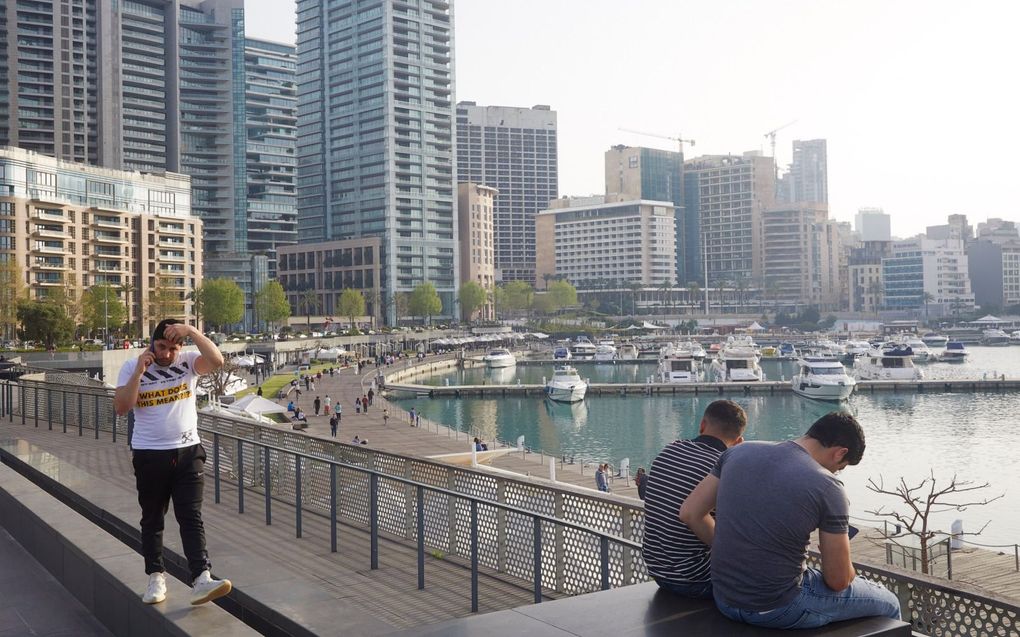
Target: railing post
(297, 496)
(81, 416)
(21, 399)
(1016, 556)
(451, 517)
(559, 544)
(626, 521)
(420, 506)
(266, 486)
(604, 559)
(501, 535)
(949, 559)
(35, 405)
(216, 466)
(95, 414)
(240, 476)
(49, 408)
(474, 555)
(409, 502)
(332, 507)
(63, 409)
(373, 517)
(538, 560)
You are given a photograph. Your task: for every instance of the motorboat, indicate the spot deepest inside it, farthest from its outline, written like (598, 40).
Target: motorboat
(561, 353)
(770, 351)
(857, 348)
(678, 365)
(787, 350)
(921, 352)
(1014, 338)
(583, 347)
(994, 338)
(826, 348)
(566, 385)
(955, 352)
(891, 364)
(627, 352)
(932, 339)
(822, 379)
(605, 351)
(697, 351)
(499, 357)
(737, 362)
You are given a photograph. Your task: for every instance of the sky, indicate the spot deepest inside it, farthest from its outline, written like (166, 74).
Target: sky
(899, 88)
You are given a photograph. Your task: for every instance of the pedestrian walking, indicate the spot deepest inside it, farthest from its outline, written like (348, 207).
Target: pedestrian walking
(371, 396)
(410, 416)
(333, 424)
(326, 404)
(339, 411)
(364, 403)
(417, 418)
(357, 405)
(385, 416)
(317, 405)
(167, 453)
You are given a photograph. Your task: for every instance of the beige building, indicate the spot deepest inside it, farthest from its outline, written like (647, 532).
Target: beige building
(72, 226)
(628, 241)
(477, 237)
(328, 268)
(800, 256)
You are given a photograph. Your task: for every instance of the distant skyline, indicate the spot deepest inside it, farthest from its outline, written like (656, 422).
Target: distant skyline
(914, 97)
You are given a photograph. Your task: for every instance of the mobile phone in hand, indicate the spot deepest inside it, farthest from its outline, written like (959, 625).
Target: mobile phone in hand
(852, 531)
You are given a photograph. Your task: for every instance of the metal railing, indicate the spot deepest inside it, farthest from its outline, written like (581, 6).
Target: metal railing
(553, 539)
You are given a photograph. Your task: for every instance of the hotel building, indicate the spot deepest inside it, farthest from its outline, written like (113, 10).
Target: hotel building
(475, 205)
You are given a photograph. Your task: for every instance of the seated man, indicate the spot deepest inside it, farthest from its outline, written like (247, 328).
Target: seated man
(675, 557)
(769, 497)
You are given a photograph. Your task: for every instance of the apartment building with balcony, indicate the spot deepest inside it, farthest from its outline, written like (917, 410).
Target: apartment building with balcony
(923, 268)
(72, 226)
(799, 261)
(627, 242)
(326, 269)
(476, 206)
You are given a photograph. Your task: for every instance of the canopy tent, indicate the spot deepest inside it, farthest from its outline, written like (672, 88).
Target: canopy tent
(645, 325)
(329, 354)
(248, 360)
(755, 327)
(255, 404)
(988, 319)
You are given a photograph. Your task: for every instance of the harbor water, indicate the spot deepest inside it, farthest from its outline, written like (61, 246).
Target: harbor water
(972, 436)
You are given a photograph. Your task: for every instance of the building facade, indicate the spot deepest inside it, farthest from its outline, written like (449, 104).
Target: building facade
(71, 226)
(872, 224)
(799, 258)
(865, 275)
(475, 208)
(314, 275)
(808, 179)
(653, 175)
(931, 275)
(728, 194)
(628, 242)
(515, 151)
(994, 262)
(375, 136)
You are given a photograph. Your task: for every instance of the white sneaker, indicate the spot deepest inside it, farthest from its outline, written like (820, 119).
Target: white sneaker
(156, 591)
(206, 589)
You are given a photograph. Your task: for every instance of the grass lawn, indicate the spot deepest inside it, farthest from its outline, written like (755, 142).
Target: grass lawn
(274, 384)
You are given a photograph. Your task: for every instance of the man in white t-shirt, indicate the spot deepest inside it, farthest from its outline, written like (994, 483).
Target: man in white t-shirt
(168, 457)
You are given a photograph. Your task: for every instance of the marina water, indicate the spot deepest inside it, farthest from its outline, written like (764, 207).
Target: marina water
(973, 435)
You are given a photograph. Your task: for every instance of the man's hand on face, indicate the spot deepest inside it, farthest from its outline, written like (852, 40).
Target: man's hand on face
(147, 358)
(177, 333)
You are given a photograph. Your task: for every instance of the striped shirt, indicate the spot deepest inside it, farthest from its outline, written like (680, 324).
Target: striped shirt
(671, 550)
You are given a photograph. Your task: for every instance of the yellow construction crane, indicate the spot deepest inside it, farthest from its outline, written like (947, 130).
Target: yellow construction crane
(772, 135)
(680, 141)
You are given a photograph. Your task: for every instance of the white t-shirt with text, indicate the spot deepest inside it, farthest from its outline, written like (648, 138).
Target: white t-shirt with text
(166, 416)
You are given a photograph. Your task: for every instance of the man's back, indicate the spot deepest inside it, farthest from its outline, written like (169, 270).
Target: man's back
(671, 550)
(771, 497)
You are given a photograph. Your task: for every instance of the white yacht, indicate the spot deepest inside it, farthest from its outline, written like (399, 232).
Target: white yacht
(627, 352)
(955, 353)
(561, 352)
(1014, 338)
(921, 352)
(994, 338)
(737, 362)
(697, 351)
(582, 347)
(678, 365)
(932, 339)
(822, 379)
(566, 385)
(499, 357)
(605, 351)
(891, 364)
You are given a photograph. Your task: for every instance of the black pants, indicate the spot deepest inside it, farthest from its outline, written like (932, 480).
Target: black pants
(162, 476)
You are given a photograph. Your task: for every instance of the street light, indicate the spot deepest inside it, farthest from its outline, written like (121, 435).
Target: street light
(106, 313)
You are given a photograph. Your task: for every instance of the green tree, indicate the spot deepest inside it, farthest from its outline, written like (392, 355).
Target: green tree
(102, 308)
(472, 296)
(544, 304)
(517, 295)
(693, 293)
(926, 298)
(308, 302)
(425, 301)
(44, 321)
(352, 304)
(127, 292)
(562, 293)
(164, 301)
(401, 305)
(271, 303)
(222, 302)
(12, 290)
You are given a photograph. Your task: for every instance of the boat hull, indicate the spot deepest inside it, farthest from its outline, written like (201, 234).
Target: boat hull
(566, 394)
(826, 392)
(499, 363)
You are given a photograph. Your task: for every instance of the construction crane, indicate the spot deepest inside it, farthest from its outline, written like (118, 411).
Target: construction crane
(772, 135)
(680, 141)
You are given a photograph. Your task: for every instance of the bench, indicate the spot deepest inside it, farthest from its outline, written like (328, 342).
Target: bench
(641, 609)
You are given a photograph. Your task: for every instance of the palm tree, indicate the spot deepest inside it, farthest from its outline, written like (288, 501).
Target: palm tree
(127, 290)
(926, 298)
(875, 289)
(308, 302)
(693, 291)
(666, 287)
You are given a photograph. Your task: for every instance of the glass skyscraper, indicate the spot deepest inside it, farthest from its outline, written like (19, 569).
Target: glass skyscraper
(375, 136)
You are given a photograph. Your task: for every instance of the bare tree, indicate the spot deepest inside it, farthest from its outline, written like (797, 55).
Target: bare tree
(216, 383)
(926, 499)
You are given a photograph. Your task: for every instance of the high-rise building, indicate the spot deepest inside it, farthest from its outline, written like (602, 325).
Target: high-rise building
(70, 226)
(653, 175)
(956, 227)
(994, 262)
(872, 224)
(271, 107)
(865, 275)
(375, 136)
(513, 150)
(475, 205)
(727, 193)
(927, 273)
(797, 256)
(809, 172)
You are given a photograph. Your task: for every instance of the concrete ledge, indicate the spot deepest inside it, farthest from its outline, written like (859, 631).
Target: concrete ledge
(641, 609)
(102, 573)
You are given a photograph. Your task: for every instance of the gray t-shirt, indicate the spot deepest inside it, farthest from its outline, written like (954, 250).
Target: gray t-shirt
(772, 496)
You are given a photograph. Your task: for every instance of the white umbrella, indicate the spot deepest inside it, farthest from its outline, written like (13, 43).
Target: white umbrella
(755, 327)
(255, 404)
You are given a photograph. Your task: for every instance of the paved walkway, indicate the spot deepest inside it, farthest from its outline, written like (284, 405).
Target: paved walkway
(430, 439)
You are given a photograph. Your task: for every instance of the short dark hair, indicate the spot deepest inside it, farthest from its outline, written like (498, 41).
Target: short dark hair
(727, 418)
(840, 429)
(161, 327)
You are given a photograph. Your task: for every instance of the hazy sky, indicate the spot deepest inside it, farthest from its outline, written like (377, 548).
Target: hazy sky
(918, 99)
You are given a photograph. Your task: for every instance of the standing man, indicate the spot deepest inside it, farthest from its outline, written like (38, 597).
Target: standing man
(601, 482)
(333, 425)
(768, 498)
(675, 557)
(168, 457)
(317, 405)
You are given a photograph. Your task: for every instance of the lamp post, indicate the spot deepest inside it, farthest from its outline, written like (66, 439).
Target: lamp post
(106, 313)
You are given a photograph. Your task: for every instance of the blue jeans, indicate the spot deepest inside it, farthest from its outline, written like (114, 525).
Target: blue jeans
(818, 605)
(690, 590)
